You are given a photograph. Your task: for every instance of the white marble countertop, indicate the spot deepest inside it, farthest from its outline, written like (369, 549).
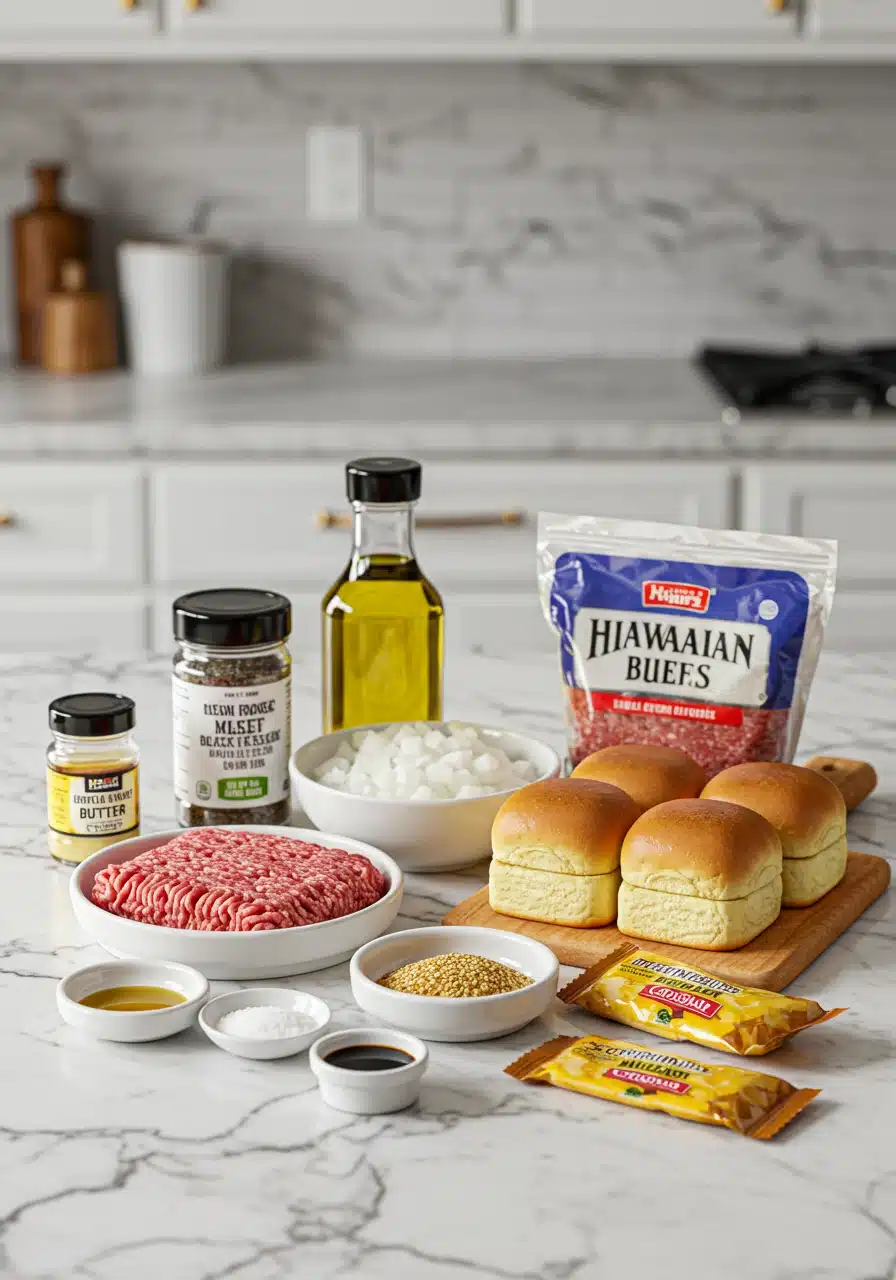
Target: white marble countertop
(553, 407)
(173, 1159)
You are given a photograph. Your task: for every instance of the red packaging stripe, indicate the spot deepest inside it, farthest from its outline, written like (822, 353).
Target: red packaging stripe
(635, 705)
(647, 1080)
(676, 999)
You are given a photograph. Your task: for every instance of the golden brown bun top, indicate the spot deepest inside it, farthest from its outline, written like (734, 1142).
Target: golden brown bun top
(571, 825)
(705, 848)
(650, 775)
(805, 808)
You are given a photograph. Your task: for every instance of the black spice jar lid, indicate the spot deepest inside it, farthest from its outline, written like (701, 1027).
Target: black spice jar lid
(383, 480)
(232, 618)
(92, 715)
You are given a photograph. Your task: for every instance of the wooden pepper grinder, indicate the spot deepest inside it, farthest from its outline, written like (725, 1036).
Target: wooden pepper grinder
(78, 327)
(44, 237)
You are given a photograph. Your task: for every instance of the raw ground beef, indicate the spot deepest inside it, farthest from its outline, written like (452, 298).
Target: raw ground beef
(221, 880)
(761, 735)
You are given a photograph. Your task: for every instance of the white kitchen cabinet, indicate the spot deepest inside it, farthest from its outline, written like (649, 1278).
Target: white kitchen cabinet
(854, 502)
(851, 19)
(63, 19)
(81, 553)
(499, 624)
(250, 524)
(73, 622)
(261, 523)
(341, 18)
(863, 621)
(698, 21)
(72, 525)
(505, 553)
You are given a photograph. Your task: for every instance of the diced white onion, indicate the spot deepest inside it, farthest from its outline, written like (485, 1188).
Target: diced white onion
(415, 762)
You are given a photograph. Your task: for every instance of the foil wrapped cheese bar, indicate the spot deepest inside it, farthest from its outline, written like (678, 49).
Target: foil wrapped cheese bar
(748, 1102)
(642, 989)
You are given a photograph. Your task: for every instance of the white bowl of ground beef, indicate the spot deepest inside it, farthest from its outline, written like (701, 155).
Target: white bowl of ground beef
(262, 951)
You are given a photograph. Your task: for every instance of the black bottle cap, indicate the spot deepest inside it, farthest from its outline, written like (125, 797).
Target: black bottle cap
(92, 715)
(383, 480)
(232, 618)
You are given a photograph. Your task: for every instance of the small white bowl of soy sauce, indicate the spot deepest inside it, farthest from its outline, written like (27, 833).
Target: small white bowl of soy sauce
(369, 1071)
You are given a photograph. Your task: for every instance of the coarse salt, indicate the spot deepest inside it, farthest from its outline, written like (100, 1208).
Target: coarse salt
(266, 1022)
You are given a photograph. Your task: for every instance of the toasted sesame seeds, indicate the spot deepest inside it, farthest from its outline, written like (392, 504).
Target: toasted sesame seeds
(457, 975)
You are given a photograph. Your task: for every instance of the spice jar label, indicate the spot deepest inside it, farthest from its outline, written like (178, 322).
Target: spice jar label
(231, 745)
(93, 804)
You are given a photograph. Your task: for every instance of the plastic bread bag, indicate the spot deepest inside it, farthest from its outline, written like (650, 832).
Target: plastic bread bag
(702, 639)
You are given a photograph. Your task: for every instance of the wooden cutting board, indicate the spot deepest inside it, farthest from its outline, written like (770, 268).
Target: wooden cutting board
(771, 961)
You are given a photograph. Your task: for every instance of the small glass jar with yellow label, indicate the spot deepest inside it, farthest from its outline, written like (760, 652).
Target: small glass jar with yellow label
(93, 784)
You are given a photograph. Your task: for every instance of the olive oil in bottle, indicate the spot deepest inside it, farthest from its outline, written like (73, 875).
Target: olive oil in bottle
(383, 619)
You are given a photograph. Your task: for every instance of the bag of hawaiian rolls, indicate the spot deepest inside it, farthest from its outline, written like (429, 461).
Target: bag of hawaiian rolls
(702, 639)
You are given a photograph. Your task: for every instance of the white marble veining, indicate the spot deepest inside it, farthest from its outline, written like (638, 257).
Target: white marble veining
(606, 406)
(177, 1160)
(514, 210)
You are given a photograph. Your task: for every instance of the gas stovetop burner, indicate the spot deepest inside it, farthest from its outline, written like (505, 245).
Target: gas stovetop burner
(818, 381)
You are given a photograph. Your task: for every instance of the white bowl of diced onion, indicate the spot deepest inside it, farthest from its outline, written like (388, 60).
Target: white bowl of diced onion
(425, 792)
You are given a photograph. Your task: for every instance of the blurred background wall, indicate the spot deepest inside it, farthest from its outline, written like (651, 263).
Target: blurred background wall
(512, 210)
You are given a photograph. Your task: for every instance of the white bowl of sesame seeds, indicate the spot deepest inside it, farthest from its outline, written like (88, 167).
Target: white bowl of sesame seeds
(454, 1018)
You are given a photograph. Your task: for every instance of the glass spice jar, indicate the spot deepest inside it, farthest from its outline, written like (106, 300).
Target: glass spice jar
(93, 787)
(232, 708)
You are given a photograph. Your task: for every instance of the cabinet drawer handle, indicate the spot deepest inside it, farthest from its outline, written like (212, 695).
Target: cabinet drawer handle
(777, 6)
(128, 5)
(6, 519)
(193, 6)
(485, 520)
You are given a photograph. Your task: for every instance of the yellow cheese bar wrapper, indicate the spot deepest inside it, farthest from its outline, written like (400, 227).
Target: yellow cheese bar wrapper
(642, 989)
(748, 1102)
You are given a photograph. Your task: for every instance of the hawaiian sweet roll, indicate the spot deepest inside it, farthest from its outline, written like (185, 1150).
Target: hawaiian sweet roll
(700, 873)
(556, 847)
(650, 775)
(807, 811)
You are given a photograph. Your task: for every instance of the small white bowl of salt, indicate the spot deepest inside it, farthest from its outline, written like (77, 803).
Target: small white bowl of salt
(264, 1022)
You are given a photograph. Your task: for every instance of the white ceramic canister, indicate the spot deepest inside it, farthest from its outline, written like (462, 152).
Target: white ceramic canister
(175, 305)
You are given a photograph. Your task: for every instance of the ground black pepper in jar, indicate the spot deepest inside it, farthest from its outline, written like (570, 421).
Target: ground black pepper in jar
(232, 707)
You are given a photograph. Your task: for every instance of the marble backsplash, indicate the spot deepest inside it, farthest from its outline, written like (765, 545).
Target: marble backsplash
(512, 210)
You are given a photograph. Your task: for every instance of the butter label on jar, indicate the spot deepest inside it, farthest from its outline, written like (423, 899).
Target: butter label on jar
(231, 745)
(101, 803)
(642, 989)
(748, 1102)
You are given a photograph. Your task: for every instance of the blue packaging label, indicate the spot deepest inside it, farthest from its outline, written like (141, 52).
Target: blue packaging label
(683, 631)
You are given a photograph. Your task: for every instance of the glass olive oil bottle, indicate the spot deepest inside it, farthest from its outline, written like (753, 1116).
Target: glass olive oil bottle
(383, 619)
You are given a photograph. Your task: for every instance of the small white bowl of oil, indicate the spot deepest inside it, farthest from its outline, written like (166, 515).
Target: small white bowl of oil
(131, 1000)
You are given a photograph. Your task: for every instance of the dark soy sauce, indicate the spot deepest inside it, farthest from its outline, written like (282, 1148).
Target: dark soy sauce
(369, 1057)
